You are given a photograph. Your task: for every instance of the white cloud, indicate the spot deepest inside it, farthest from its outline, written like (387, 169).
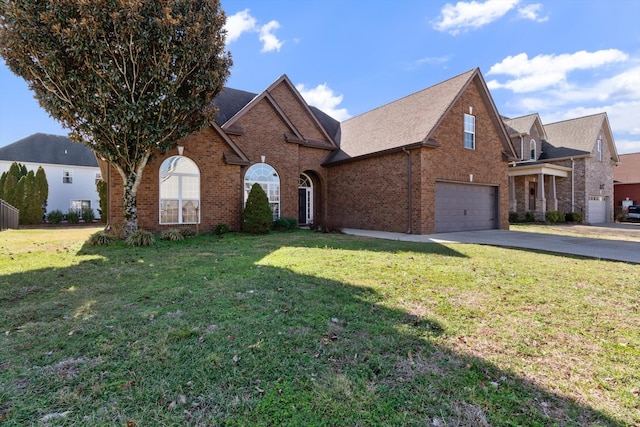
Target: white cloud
(544, 71)
(532, 12)
(325, 99)
(239, 23)
(626, 146)
(471, 15)
(242, 22)
(269, 40)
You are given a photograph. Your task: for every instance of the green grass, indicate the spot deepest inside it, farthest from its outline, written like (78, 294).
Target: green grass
(302, 328)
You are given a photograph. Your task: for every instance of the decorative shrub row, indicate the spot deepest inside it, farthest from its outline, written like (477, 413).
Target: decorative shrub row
(285, 224)
(551, 217)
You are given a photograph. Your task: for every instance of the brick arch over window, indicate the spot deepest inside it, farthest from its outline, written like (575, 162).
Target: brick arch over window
(179, 191)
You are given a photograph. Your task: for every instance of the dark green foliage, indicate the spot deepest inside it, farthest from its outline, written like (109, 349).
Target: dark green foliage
(10, 190)
(26, 191)
(100, 238)
(73, 216)
(529, 217)
(257, 217)
(55, 216)
(554, 216)
(88, 215)
(573, 217)
(128, 78)
(188, 232)
(285, 224)
(172, 235)
(514, 217)
(103, 210)
(221, 229)
(140, 238)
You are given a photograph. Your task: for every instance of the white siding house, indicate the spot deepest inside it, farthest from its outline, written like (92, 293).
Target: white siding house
(71, 169)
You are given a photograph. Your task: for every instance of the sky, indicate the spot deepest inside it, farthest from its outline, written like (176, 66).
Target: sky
(561, 59)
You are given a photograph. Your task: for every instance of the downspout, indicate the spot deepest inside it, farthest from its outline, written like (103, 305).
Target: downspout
(573, 209)
(409, 198)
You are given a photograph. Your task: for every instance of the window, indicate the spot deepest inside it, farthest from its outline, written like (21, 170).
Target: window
(67, 176)
(80, 206)
(599, 150)
(469, 132)
(98, 177)
(269, 180)
(532, 150)
(179, 191)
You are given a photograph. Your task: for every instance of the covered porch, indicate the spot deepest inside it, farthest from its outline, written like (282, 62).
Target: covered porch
(533, 187)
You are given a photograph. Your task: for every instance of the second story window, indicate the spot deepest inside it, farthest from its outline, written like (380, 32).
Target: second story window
(599, 150)
(469, 132)
(532, 150)
(67, 176)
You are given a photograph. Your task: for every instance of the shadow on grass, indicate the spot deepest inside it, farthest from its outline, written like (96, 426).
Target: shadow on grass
(215, 332)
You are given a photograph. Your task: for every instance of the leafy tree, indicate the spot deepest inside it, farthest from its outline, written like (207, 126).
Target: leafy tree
(30, 205)
(127, 78)
(10, 190)
(42, 189)
(3, 178)
(257, 217)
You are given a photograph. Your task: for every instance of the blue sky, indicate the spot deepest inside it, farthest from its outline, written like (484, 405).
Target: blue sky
(561, 59)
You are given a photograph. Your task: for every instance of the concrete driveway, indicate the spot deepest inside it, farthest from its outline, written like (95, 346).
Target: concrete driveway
(608, 249)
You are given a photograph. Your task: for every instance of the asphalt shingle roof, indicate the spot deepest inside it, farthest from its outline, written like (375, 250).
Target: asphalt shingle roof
(629, 168)
(572, 137)
(49, 149)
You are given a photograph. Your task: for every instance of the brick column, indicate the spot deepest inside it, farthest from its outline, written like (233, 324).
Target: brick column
(552, 194)
(541, 200)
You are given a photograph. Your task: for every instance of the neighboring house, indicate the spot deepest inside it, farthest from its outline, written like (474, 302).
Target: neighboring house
(565, 166)
(71, 169)
(433, 161)
(626, 182)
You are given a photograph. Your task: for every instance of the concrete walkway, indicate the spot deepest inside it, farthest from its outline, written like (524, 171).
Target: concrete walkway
(615, 250)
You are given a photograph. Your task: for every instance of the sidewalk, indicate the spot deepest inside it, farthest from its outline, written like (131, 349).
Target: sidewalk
(614, 250)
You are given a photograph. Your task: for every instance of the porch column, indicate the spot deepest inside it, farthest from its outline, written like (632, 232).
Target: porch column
(513, 202)
(541, 200)
(552, 194)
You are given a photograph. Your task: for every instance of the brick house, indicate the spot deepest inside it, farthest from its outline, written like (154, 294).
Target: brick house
(433, 161)
(626, 182)
(566, 166)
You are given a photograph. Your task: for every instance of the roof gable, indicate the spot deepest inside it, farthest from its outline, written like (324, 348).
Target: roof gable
(521, 126)
(628, 171)
(577, 137)
(409, 120)
(42, 148)
(297, 136)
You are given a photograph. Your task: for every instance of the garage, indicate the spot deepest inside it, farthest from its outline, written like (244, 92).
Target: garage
(465, 207)
(597, 210)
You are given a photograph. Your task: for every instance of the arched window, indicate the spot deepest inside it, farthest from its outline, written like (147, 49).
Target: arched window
(179, 191)
(532, 149)
(305, 199)
(269, 180)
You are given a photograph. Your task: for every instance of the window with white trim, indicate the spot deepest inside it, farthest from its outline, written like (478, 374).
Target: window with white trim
(179, 191)
(98, 177)
(67, 176)
(532, 150)
(599, 150)
(269, 180)
(469, 132)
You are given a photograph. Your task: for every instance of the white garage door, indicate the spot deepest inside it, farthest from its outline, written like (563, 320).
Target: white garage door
(465, 207)
(597, 209)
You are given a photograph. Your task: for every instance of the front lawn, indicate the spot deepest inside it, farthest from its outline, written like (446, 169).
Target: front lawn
(312, 329)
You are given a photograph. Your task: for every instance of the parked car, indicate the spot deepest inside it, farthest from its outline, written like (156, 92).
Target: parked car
(633, 212)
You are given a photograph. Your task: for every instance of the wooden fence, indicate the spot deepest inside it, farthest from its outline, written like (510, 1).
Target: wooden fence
(8, 216)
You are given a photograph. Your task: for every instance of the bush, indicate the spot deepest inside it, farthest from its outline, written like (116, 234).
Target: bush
(141, 238)
(188, 232)
(285, 224)
(529, 217)
(514, 217)
(88, 215)
(172, 235)
(100, 238)
(55, 216)
(554, 216)
(257, 217)
(221, 229)
(573, 217)
(73, 217)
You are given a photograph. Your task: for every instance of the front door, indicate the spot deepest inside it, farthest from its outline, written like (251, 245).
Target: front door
(302, 205)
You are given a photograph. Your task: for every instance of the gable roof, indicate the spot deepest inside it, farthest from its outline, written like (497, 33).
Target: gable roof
(576, 137)
(407, 121)
(49, 149)
(628, 171)
(521, 126)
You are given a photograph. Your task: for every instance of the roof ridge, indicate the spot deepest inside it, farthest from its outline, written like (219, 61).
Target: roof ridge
(411, 94)
(577, 118)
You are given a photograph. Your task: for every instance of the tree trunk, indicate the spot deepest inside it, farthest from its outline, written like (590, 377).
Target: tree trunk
(130, 205)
